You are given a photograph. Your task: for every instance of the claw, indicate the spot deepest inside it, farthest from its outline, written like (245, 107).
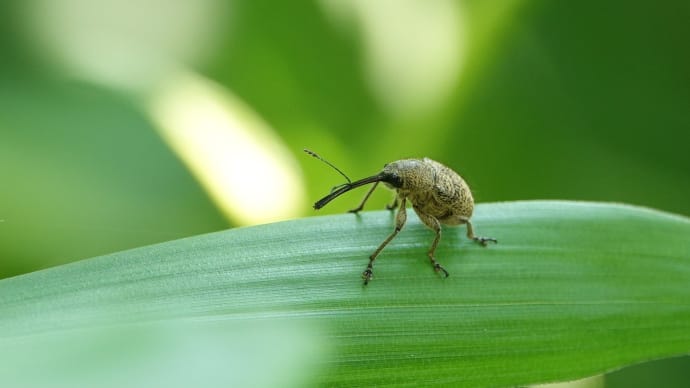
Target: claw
(438, 268)
(393, 205)
(485, 240)
(367, 275)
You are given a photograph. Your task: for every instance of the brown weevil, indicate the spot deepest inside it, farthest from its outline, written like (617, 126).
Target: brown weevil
(438, 195)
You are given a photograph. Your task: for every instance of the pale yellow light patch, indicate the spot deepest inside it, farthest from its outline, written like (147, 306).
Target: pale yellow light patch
(414, 49)
(229, 149)
(589, 382)
(126, 45)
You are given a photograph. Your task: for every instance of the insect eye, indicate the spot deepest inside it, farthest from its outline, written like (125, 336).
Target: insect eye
(393, 180)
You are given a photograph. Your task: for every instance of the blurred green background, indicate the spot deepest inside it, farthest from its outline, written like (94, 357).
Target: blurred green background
(126, 125)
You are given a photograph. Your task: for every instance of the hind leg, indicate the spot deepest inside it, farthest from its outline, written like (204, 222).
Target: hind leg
(470, 234)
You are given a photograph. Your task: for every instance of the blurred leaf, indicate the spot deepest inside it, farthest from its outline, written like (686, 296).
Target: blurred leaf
(296, 69)
(669, 373)
(572, 289)
(85, 174)
(551, 108)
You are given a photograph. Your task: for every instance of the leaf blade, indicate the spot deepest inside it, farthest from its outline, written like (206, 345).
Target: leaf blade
(571, 289)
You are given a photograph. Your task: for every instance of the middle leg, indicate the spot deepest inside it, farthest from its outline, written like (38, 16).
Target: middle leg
(400, 219)
(432, 223)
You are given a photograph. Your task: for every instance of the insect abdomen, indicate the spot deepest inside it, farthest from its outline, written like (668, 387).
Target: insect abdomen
(452, 196)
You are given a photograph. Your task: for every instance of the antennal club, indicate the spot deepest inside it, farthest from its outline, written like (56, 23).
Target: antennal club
(314, 154)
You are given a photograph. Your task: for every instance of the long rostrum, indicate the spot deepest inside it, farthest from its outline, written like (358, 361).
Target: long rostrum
(345, 188)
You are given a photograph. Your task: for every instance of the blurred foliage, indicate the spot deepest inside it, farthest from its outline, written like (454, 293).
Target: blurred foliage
(84, 173)
(577, 100)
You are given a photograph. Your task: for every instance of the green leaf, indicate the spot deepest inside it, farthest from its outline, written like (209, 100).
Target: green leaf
(572, 289)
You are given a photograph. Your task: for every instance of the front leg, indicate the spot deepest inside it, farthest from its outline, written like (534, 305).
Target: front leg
(364, 200)
(393, 205)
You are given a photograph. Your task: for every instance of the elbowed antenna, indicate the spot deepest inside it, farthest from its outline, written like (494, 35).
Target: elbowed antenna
(314, 154)
(344, 188)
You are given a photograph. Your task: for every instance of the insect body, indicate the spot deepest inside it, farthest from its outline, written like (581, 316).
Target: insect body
(438, 195)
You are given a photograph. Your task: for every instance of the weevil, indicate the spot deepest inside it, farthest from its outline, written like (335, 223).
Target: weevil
(438, 195)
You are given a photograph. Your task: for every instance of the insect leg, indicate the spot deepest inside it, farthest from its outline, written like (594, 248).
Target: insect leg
(480, 240)
(432, 223)
(393, 205)
(400, 219)
(366, 197)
